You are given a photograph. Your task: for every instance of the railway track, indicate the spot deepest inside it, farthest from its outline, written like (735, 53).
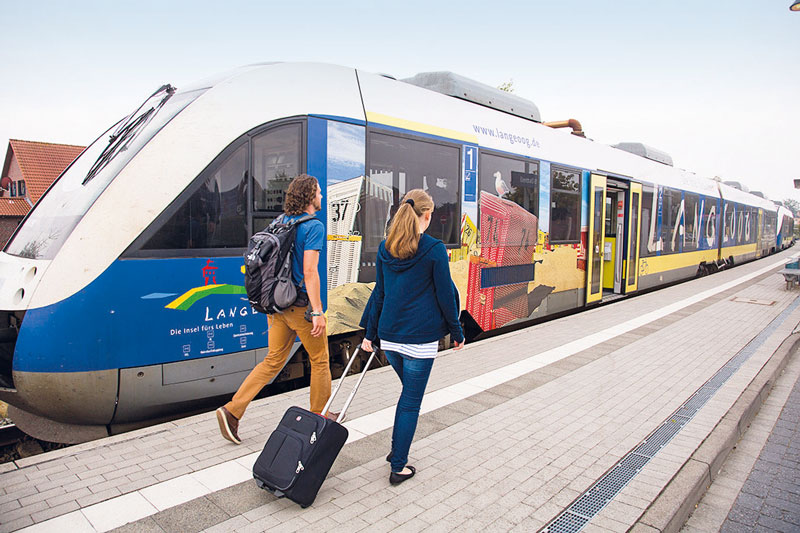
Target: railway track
(10, 434)
(16, 444)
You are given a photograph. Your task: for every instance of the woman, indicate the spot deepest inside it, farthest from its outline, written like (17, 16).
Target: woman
(412, 306)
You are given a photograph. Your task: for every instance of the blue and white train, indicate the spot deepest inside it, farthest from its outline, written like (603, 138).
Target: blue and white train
(121, 293)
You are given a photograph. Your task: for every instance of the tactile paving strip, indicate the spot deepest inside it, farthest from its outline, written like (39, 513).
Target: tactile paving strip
(588, 504)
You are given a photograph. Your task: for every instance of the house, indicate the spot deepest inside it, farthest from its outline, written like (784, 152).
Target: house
(30, 168)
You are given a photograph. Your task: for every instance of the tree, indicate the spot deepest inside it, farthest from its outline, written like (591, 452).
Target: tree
(792, 205)
(507, 86)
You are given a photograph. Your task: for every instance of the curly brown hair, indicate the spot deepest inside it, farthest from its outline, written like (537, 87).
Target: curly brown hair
(301, 192)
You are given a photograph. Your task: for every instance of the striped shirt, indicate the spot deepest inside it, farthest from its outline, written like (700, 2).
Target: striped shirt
(420, 351)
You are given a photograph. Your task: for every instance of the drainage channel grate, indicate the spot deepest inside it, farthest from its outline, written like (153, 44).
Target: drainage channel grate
(588, 504)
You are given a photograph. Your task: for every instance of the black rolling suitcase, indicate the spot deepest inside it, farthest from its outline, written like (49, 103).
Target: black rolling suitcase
(300, 452)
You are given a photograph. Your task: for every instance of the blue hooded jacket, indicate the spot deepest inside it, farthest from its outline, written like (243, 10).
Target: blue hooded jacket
(414, 300)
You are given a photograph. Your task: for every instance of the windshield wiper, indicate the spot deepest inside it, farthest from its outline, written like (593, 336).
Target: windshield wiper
(127, 130)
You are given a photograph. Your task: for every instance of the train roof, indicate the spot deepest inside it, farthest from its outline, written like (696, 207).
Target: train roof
(732, 194)
(648, 152)
(457, 86)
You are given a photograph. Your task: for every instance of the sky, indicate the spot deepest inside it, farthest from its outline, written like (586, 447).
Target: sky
(713, 83)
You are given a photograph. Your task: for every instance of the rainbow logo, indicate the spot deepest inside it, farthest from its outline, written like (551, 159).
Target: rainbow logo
(190, 297)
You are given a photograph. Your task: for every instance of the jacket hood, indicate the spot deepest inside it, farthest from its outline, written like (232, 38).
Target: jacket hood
(426, 243)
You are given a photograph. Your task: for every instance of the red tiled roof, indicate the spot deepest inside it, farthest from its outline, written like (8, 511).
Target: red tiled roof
(14, 207)
(41, 163)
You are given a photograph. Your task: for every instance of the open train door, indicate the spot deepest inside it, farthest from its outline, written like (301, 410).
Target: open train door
(632, 261)
(597, 213)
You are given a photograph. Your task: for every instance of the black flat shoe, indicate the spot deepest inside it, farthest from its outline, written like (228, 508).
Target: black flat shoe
(396, 479)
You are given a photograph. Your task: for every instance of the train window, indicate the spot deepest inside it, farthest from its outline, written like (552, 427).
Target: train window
(772, 225)
(691, 218)
(57, 213)
(277, 159)
(597, 237)
(739, 228)
(565, 202)
(214, 214)
(671, 220)
(728, 226)
(399, 164)
(648, 243)
(611, 217)
(744, 220)
(729, 219)
(708, 229)
(511, 179)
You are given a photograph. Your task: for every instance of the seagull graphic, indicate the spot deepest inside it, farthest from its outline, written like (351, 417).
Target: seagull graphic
(500, 186)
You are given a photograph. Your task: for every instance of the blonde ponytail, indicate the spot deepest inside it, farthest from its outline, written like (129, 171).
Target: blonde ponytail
(403, 237)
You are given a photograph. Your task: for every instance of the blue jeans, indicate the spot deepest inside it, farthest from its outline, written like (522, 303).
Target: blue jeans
(413, 373)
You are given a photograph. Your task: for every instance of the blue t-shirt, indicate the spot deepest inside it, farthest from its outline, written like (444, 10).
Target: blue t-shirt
(310, 236)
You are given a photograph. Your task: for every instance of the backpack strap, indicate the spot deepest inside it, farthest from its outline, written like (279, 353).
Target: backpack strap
(281, 219)
(302, 219)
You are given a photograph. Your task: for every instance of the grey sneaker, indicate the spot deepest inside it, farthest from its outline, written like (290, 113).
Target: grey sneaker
(228, 425)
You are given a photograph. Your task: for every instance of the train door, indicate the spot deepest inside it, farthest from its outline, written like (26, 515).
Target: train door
(759, 233)
(632, 261)
(595, 244)
(613, 243)
(619, 257)
(615, 238)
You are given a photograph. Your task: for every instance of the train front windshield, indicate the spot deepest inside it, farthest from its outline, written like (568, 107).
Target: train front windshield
(56, 214)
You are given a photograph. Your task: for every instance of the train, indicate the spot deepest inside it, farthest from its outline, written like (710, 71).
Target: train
(122, 297)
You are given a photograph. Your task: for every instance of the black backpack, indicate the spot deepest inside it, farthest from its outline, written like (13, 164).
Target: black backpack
(268, 266)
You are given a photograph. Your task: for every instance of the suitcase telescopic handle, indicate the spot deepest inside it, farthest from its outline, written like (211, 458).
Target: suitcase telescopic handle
(342, 415)
(349, 400)
(339, 383)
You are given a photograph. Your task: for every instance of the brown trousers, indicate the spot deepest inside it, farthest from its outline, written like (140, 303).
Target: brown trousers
(283, 329)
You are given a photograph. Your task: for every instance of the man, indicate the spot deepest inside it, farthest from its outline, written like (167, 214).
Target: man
(303, 196)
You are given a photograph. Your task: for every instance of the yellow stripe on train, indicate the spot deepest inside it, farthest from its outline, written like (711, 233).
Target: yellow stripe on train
(420, 127)
(665, 263)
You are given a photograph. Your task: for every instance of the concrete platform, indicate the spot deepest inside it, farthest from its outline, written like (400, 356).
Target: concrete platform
(517, 432)
(758, 487)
